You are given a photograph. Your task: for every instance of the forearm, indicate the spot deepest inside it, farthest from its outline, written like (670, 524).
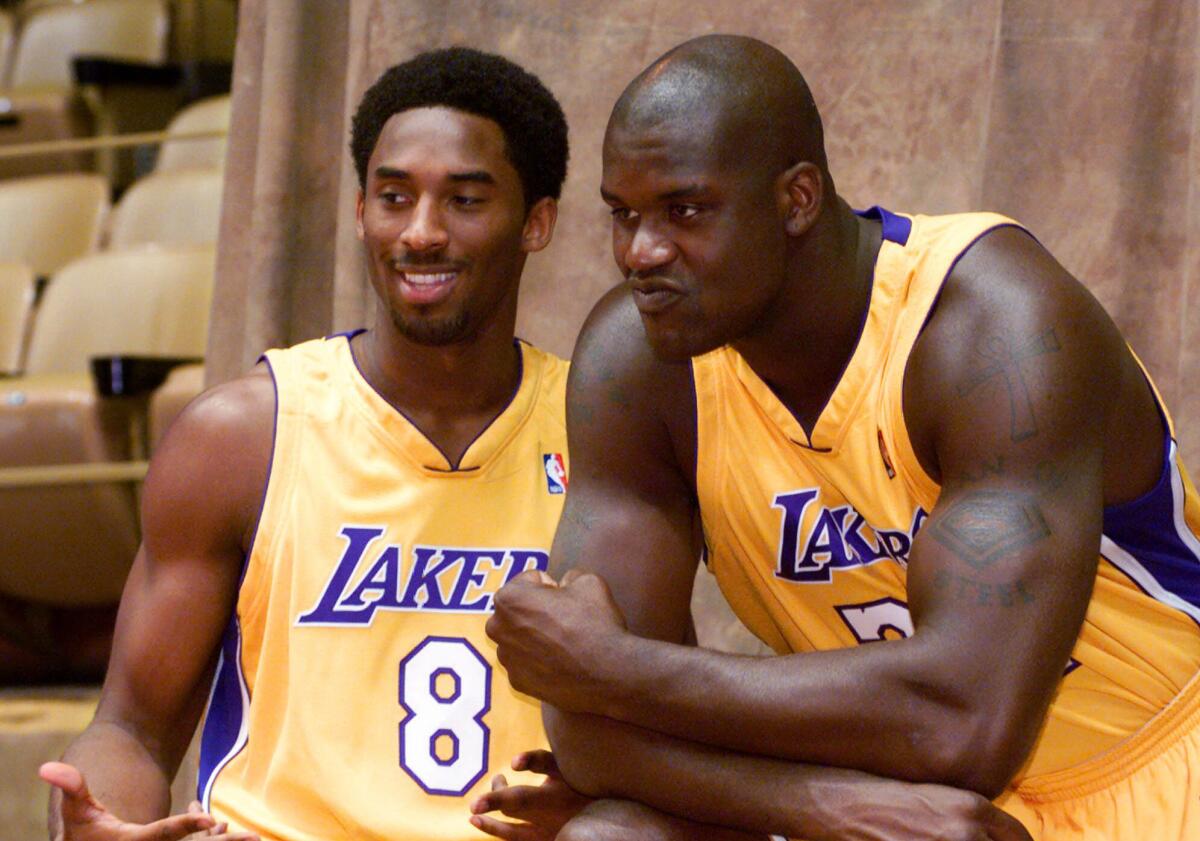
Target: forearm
(708, 785)
(876, 708)
(121, 773)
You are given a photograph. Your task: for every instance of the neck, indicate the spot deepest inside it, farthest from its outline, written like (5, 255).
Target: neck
(450, 392)
(804, 347)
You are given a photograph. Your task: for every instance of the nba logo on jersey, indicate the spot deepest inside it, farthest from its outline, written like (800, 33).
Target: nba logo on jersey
(556, 473)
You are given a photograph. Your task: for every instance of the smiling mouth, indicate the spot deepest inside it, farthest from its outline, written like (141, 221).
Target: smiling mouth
(425, 287)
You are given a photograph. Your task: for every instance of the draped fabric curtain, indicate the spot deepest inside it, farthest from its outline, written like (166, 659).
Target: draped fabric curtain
(1078, 118)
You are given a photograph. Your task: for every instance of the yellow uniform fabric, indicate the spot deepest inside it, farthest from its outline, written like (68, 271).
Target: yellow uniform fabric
(809, 536)
(357, 696)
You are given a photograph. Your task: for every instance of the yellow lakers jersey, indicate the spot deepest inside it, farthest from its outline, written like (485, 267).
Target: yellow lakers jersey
(356, 695)
(809, 536)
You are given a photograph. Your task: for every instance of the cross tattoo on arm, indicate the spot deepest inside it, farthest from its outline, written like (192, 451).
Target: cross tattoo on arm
(1006, 361)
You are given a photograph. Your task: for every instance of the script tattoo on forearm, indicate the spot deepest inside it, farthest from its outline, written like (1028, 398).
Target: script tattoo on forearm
(1005, 358)
(985, 525)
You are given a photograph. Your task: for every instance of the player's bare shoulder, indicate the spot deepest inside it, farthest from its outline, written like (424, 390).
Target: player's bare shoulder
(210, 470)
(618, 388)
(1015, 340)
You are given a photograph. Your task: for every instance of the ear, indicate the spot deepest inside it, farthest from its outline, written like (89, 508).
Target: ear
(539, 225)
(358, 214)
(801, 190)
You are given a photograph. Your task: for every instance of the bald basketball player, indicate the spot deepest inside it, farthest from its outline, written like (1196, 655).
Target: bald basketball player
(929, 473)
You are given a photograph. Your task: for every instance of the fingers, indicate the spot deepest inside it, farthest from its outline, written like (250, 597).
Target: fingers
(589, 582)
(66, 777)
(534, 577)
(78, 805)
(537, 761)
(172, 828)
(498, 782)
(573, 575)
(513, 801)
(507, 831)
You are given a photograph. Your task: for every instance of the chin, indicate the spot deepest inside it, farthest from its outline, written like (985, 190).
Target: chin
(435, 332)
(673, 346)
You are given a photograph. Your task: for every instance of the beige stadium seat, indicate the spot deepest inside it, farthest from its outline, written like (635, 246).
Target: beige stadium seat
(71, 544)
(40, 102)
(49, 220)
(52, 35)
(210, 114)
(148, 301)
(7, 27)
(182, 207)
(181, 387)
(16, 305)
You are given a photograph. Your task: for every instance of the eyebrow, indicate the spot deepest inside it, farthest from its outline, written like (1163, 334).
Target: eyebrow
(689, 191)
(477, 176)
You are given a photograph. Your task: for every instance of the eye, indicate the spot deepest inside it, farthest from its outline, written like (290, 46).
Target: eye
(622, 214)
(393, 197)
(466, 201)
(685, 212)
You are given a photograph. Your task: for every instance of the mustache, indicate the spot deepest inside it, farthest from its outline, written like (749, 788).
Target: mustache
(406, 262)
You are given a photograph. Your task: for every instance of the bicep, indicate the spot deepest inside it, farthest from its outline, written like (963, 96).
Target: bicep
(1002, 402)
(200, 492)
(628, 514)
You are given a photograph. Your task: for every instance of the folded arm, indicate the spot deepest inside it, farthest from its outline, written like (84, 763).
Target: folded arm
(999, 576)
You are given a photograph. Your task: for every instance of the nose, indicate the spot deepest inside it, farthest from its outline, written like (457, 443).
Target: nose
(424, 230)
(648, 250)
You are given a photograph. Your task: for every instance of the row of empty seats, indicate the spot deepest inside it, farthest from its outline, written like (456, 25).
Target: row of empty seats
(71, 543)
(45, 96)
(48, 221)
(44, 37)
(83, 279)
(49, 224)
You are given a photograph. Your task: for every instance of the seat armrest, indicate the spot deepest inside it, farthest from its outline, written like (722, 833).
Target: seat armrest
(133, 376)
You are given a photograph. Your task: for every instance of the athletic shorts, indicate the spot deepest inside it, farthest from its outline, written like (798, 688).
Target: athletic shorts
(1146, 788)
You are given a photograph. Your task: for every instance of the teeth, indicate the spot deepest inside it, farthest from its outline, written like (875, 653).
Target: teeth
(428, 279)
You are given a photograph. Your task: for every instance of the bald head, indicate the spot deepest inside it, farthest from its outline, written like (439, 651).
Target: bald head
(745, 96)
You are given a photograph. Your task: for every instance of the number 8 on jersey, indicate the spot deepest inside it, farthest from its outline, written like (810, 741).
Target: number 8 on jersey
(445, 686)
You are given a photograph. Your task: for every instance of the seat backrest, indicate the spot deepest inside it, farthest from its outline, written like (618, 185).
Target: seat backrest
(211, 114)
(16, 304)
(7, 24)
(54, 34)
(49, 220)
(148, 301)
(182, 207)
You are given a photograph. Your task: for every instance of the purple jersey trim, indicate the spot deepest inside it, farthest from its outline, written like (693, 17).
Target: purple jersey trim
(225, 721)
(228, 704)
(1150, 542)
(895, 228)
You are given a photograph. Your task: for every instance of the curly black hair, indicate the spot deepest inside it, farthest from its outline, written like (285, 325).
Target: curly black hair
(535, 130)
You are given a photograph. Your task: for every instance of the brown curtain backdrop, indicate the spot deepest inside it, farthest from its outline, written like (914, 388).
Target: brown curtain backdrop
(1077, 117)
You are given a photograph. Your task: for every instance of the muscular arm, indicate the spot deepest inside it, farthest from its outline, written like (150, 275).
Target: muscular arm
(199, 509)
(721, 788)
(999, 577)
